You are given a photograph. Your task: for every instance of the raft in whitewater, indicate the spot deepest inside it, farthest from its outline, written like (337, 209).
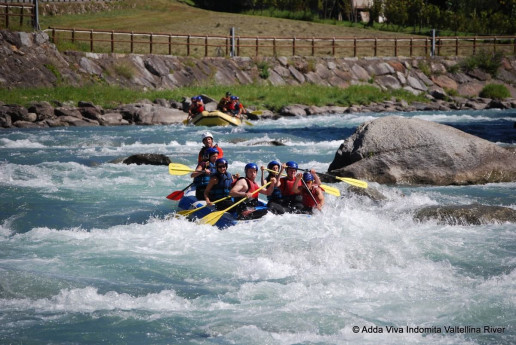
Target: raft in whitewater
(214, 118)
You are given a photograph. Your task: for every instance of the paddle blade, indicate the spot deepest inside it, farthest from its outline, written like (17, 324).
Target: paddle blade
(177, 195)
(188, 212)
(212, 218)
(178, 169)
(353, 182)
(330, 190)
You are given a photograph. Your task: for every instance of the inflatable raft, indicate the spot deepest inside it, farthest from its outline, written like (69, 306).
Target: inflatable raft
(215, 118)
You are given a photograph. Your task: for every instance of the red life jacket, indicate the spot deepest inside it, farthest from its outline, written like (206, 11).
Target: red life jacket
(308, 201)
(286, 186)
(253, 186)
(198, 108)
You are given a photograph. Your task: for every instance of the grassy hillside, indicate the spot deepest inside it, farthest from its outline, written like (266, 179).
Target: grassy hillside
(172, 16)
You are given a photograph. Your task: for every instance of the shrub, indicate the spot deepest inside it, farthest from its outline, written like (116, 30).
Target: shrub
(495, 91)
(486, 61)
(263, 66)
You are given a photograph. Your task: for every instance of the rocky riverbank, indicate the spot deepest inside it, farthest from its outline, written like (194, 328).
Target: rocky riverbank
(31, 60)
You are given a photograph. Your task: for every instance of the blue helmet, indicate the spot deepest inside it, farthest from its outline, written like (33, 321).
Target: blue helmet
(234, 98)
(193, 99)
(251, 166)
(221, 161)
(308, 177)
(211, 150)
(291, 164)
(199, 98)
(272, 164)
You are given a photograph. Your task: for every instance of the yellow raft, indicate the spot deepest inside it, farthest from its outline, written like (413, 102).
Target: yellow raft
(214, 118)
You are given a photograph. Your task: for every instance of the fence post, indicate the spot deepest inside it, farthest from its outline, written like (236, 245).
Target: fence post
(333, 46)
(432, 52)
(188, 45)
(73, 35)
(355, 47)
(411, 46)
(474, 45)
(313, 46)
(206, 46)
(151, 41)
(294, 46)
(91, 41)
(169, 44)
(494, 45)
(456, 46)
(238, 46)
(7, 16)
(395, 46)
(132, 42)
(22, 11)
(227, 46)
(232, 41)
(375, 46)
(112, 41)
(257, 44)
(274, 46)
(54, 35)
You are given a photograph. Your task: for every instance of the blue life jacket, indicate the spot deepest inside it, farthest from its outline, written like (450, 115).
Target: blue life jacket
(276, 192)
(203, 179)
(222, 188)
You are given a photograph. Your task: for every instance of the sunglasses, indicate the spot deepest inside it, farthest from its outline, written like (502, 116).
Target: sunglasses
(220, 166)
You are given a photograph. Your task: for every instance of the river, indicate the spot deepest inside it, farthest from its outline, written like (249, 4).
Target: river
(88, 254)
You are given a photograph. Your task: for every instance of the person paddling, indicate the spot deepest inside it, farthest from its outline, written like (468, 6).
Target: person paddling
(207, 140)
(196, 107)
(219, 185)
(224, 103)
(244, 188)
(235, 108)
(203, 172)
(312, 193)
(274, 199)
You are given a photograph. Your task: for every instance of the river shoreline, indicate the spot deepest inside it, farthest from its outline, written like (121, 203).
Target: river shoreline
(165, 112)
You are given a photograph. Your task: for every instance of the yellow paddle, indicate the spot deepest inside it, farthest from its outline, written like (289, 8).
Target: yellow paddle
(214, 217)
(189, 212)
(328, 189)
(349, 180)
(179, 169)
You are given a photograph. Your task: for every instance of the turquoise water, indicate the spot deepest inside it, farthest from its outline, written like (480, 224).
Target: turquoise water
(89, 256)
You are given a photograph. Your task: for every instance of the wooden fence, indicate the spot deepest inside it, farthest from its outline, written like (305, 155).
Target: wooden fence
(16, 15)
(109, 41)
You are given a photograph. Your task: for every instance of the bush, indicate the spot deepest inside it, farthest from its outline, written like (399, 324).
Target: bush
(486, 61)
(495, 91)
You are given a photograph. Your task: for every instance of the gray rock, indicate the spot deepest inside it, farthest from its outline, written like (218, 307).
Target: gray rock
(412, 151)
(112, 119)
(359, 72)
(147, 159)
(466, 214)
(293, 110)
(388, 81)
(90, 67)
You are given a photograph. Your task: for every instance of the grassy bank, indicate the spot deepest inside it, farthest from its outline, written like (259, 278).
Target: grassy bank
(257, 96)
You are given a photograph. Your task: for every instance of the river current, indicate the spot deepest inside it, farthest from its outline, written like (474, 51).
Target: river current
(89, 254)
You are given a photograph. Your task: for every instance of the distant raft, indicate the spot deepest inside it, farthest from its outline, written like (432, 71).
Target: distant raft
(214, 118)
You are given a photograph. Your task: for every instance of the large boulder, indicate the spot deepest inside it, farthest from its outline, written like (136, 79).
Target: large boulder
(394, 149)
(467, 214)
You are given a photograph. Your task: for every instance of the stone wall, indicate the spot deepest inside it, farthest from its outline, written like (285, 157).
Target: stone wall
(31, 60)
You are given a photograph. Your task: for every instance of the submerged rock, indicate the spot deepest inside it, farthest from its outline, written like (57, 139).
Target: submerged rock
(148, 159)
(467, 214)
(396, 150)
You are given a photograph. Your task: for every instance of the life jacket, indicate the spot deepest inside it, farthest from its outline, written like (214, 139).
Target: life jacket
(276, 192)
(198, 108)
(203, 156)
(251, 187)
(223, 186)
(202, 180)
(286, 186)
(308, 201)
(234, 108)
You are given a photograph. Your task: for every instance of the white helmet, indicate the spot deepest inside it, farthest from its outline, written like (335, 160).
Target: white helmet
(206, 135)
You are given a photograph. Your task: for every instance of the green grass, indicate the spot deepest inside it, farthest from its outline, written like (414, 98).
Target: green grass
(258, 96)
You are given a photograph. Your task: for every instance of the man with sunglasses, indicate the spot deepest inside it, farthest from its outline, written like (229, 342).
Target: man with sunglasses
(207, 140)
(219, 185)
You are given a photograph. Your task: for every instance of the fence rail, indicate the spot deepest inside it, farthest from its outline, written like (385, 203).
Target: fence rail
(16, 15)
(196, 45)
